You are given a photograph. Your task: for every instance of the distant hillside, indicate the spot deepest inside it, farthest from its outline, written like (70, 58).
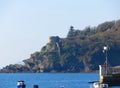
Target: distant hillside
(80, 51)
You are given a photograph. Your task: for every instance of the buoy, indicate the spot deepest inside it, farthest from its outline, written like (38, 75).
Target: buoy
(21, 84)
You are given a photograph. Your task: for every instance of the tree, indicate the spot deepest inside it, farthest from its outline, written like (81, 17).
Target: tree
(71, 32)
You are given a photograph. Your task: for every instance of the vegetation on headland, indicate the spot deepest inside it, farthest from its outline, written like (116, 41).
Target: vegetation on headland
(80, 51)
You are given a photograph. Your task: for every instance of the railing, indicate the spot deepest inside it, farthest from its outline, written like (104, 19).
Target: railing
(109, 70)
(116, 70)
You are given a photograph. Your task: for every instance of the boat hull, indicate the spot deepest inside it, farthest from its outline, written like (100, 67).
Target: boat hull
(111, 80)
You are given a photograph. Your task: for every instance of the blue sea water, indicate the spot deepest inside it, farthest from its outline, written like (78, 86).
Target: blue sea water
(48, 80)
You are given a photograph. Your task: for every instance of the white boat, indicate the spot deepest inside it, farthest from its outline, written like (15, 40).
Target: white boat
(99, 85)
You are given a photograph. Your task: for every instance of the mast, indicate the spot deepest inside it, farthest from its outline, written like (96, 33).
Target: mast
(105, 50)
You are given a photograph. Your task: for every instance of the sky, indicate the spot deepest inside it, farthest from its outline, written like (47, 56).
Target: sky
(26, 25)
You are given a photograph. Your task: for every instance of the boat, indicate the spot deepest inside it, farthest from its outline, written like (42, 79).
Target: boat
(21, 84)
(99, 85)
(108, 74)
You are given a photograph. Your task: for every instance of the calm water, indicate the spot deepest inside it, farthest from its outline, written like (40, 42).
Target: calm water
(49, 80)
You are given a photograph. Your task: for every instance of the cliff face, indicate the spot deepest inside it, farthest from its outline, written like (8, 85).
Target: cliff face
(80, 51)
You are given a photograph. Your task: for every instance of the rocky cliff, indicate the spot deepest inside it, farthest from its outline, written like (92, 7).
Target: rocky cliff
(80, 51)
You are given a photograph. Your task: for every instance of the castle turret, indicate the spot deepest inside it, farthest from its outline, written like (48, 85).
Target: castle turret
(54, 39)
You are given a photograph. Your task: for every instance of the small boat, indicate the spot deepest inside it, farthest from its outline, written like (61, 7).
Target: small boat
(21, 84)
(99, 85)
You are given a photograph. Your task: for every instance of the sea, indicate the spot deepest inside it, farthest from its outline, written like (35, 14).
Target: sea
(49, 80)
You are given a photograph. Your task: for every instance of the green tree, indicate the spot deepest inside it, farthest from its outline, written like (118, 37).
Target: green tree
(71, 32)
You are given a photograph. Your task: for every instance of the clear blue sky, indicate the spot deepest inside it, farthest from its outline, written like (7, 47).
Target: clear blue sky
(25, 25)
